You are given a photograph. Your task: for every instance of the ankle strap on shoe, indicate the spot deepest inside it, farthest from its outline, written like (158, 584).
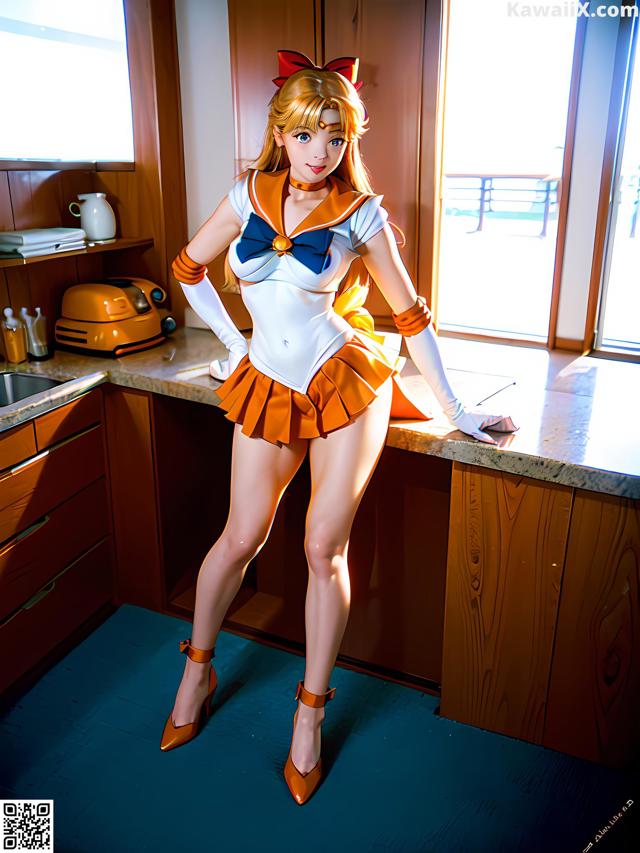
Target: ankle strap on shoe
(314, 700)
(198, 655)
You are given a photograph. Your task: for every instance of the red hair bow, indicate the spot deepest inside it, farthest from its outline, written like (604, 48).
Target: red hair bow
(290, 61)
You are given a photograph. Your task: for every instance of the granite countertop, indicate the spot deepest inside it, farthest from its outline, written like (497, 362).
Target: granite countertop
(565, 405)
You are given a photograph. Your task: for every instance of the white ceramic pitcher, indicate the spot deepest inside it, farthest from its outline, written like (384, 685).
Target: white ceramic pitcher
(97, 218)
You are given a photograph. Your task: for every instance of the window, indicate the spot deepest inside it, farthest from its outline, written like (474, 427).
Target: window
(65, 81)
(505, 117)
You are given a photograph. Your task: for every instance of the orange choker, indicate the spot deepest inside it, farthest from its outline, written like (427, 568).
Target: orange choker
(299, 185)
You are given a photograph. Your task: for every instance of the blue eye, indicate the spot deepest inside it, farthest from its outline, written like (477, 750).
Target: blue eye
(337, 139)
(304, 133)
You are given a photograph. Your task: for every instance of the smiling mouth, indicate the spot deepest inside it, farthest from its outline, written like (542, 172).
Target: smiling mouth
(316, 169)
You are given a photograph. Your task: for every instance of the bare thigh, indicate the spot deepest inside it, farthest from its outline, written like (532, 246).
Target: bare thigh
(342, 465)
(260, 473)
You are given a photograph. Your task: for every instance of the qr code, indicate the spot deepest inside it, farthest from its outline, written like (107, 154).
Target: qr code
(27, 825)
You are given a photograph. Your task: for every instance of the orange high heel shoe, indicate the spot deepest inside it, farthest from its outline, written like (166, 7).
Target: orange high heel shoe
(302, 785)
(173, 735)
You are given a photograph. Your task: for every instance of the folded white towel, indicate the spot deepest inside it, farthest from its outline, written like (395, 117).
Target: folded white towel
(23, 252)
(45, 244)
(34, 236)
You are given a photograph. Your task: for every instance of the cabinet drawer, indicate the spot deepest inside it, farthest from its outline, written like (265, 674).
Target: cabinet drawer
(67, 420)
(34, 556)
(16, 444)
(28, 491)
(64, 604)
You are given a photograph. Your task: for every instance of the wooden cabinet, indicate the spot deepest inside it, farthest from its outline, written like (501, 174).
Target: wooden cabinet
(58, 609)
(55, 531)
(541, 631)
(36, 485)
(507, 540)
(170, 462)
(31, 557)
(593, 704)
(59, 424)
(133, 490)
(17, 444)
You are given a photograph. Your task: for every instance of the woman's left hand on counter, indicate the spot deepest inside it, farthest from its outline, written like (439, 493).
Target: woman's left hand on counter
(473, 424)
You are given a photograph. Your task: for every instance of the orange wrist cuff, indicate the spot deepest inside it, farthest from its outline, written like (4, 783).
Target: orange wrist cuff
(414, 319)
(185, 269)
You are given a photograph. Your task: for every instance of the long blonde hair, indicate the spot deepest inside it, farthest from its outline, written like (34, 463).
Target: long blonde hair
(300, 102)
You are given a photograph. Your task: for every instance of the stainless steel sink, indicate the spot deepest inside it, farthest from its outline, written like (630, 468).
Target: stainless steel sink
(18, 386)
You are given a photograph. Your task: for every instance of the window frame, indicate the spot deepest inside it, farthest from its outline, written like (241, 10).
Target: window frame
(626, 45)
(61, 165)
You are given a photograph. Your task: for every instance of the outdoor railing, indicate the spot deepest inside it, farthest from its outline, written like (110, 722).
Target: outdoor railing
(488, 192)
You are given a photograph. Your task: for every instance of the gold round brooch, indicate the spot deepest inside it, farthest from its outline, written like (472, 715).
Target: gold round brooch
(281, 243)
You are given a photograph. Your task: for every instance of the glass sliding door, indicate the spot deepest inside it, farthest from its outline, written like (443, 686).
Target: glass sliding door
(618, 326)
(505, 117)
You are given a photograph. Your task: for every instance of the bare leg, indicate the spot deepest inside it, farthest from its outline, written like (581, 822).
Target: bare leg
(260, 473)
(341, 467)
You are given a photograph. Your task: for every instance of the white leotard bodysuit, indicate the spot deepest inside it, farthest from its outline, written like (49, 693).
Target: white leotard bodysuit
(295, 329)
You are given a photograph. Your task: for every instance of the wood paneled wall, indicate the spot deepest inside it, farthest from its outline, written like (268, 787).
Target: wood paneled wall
(541, 628)
(387, 36)
(594, 689)
(507, 540)
(257, 30)
(148, 197)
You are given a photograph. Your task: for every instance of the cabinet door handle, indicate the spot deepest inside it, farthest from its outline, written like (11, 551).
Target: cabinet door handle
(49, 587)
(29, 531)
(35, 598)
(39, 595)
(27, 462)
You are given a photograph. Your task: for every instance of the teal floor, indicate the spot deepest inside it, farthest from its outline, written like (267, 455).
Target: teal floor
(398, 777)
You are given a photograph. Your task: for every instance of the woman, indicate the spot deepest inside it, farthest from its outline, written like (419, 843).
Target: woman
(303, 229)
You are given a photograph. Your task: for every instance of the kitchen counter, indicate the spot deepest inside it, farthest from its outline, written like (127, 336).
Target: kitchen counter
(570, 409)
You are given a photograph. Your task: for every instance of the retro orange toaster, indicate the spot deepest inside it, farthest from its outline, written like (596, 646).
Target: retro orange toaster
(113, 317)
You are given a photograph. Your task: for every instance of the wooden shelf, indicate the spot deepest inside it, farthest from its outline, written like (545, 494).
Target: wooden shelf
(117, 244)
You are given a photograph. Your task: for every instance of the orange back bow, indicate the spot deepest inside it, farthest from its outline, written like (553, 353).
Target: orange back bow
(290, 61)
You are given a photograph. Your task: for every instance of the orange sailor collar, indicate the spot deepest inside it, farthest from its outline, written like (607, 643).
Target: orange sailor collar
(267, 194)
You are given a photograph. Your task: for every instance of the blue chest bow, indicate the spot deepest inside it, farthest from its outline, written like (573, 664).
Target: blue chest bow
(310, 248)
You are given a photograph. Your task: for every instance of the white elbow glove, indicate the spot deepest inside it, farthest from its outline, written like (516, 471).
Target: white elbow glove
(206, 302)
(425, 352)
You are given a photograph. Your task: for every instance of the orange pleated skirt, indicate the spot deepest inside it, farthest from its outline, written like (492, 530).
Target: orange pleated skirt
(342, 388)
